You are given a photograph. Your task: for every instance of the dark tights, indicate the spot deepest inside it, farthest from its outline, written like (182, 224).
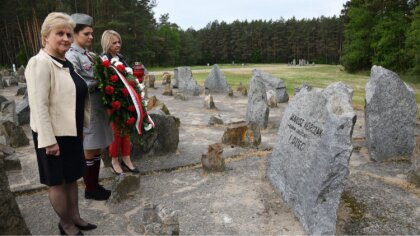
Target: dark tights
(64, 200)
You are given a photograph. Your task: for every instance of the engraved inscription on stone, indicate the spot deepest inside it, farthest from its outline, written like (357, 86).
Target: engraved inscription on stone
(300, 130)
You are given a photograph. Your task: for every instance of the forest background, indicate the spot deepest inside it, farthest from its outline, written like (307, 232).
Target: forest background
(367, 32)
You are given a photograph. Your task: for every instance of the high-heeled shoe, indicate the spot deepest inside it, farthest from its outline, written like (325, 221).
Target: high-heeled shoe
(114, 171)
(134, 170)
(62, 232)
(87, 227)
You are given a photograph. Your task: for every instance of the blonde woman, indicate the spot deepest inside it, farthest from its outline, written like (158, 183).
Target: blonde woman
(59, 108)
(111, 45)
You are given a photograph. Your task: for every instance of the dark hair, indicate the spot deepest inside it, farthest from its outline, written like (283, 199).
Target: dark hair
(80, 27)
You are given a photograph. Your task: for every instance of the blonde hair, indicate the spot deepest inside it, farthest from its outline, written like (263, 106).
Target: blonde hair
(55, 20)
(106, 39)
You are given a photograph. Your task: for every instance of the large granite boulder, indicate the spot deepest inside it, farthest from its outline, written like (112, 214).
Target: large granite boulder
(273, 83)
(257, 111)
(15, 135)
(309, 163)
(11, 220)
(216, 82)
(175, 81)
(414, 173)
(163, 139)
(8, 111)
(23, 111)
(183, 80)
(190, 87)
(21, 90)
(9, 81)
(3, 99)
(390, 115)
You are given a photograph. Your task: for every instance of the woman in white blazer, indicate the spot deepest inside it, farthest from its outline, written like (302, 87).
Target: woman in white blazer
(59, 108)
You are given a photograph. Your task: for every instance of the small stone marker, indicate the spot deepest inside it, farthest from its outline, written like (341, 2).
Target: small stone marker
(213, 160)
(208, 102)
(166, 78)
(155, 220)
(242, 134)
(124, 186)
(309, 163)
(390, 115)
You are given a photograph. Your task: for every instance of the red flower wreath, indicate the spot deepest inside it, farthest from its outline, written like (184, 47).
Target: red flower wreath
(120, 94)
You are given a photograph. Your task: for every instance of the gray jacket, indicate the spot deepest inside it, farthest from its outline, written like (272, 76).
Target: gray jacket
(82, 65)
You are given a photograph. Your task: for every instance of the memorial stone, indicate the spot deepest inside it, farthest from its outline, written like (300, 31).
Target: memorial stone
(216, 82)
(273, 83)
(310, 162)
(257, 110)
(183, 80)
(390, 115)
(175, 81)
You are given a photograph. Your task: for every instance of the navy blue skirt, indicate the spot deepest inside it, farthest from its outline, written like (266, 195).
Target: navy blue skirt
(68, 167)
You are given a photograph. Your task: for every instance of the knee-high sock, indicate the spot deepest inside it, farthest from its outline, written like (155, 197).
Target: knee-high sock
(89, 177)
(97, 167)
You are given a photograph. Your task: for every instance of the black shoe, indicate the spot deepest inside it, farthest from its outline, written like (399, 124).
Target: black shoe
(101, 188)
(62, 232)
(134, 170)
(99, 194)
(113, 170)
(89, 226)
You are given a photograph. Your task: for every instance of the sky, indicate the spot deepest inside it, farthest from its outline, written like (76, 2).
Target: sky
(197, 13)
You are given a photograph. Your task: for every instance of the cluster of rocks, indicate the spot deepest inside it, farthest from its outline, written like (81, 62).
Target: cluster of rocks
(11, 136)
(310, 162)
(19, 113)
(11, 220)
(8, 79)
(301, 62)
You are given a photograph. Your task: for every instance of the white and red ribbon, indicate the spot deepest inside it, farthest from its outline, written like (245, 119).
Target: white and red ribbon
(135, 98)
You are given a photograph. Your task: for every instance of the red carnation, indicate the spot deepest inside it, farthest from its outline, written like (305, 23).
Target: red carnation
(109, 90)
(131, 108)
(109, 111)
(116, 105)
(130, 121)
(121, 68)
(113, 78)
(132, 83)
(106, 63)
(125, 92)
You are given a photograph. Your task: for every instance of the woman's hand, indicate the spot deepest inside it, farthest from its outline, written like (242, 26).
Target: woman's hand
(53, 150)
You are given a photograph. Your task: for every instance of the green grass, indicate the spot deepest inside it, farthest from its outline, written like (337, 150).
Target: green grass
(318, 76)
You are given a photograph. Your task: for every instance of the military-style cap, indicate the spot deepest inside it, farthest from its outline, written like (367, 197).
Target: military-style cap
(82, 19)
